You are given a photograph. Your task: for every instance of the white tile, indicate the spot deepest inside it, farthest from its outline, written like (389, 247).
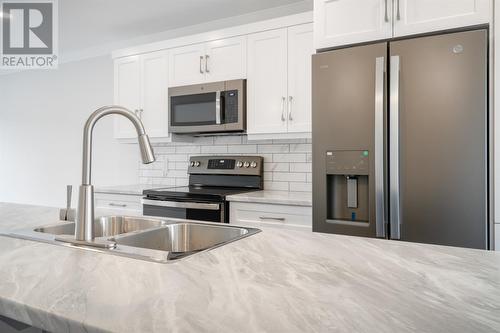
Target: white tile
(151, 173)
(309, 157)
(213, 149)
(289, 157)
(276, 186)
(301, 187)
(289, 177)
(245, 140)
(164, 150)
(179, 166)
(192, 149)
(273, 148)
(145, 180)
(309, 177)
(300, 167)
(289, 141)
(283, 167)
(301, 148)
(222, 140)
(268, 176)
(203, 140)
(178, 158)
(164, 181)
(176, 173)
(242, 149)
(181, 182)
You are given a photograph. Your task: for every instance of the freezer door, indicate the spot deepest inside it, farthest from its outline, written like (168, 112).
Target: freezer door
(438, 139)
(348, 116)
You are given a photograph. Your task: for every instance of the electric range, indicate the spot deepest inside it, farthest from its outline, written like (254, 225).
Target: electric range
(211, 180)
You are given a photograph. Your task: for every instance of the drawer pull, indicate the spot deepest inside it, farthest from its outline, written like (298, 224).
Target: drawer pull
(112, 204)
(282, 219)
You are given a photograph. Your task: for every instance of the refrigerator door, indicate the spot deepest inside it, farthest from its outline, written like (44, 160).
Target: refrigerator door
(348, 140)
(438, 153)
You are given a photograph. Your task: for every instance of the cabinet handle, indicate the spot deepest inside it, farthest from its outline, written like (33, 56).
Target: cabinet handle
(272, 218)
(283, 99)
(386, 18)
(206, 63)
(398, 15)
(290, 99)
(112, 204)
(201, 65)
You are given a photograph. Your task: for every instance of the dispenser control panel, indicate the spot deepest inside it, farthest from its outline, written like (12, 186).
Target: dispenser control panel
(347, 162)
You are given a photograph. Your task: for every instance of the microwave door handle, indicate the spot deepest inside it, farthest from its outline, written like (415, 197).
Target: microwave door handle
(218, 108)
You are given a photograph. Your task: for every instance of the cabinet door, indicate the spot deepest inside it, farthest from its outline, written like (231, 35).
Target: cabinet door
(267, 82)
(187, 65)
(226, 59)
(342, 22)
(127, 91)
(418, 16)
(154, 106)
(300, 51)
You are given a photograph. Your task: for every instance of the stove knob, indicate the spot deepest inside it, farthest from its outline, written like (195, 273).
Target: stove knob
(197, 164)
(192, 163)
(246, 164)
(253, 164)
(239, 164)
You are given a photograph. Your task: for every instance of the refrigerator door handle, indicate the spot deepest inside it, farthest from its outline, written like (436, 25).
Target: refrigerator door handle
(380, 222)
(395, 214)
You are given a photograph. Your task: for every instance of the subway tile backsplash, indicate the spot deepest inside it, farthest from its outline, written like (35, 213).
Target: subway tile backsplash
(287, 163)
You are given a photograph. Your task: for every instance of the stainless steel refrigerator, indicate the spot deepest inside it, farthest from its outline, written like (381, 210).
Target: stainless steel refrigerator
(400, 140)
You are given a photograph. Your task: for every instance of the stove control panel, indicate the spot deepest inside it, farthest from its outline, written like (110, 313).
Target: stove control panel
(230, 165)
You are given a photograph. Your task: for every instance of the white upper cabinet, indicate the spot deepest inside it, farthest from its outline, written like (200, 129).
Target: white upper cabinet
(226, 59)
(154, 106)
(419, 16)
(141, 85)
(300, 51)
(219, 60)
(340, 22)
(344, 22)
(279, 82)
(187, 65)
(127, 91)
(267, 82)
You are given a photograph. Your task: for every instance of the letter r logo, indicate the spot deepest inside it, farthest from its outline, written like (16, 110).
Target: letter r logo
(27, 28)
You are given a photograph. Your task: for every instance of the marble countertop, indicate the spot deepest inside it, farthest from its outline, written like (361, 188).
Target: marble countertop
(274, 197)
(275, 281)
(134, 189)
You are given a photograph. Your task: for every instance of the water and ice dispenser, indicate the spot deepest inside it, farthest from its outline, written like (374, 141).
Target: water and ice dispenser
(347, 174)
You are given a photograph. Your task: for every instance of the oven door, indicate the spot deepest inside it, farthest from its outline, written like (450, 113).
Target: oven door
(201, 211)
(205, 108)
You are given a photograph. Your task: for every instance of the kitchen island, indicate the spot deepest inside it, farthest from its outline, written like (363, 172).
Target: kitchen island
(275, 281)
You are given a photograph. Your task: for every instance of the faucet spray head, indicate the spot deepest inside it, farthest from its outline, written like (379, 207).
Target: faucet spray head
(147, 153)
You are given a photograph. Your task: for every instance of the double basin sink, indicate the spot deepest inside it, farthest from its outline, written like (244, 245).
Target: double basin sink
(145, 238)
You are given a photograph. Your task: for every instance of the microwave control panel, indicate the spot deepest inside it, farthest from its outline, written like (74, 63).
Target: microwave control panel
(231, 106)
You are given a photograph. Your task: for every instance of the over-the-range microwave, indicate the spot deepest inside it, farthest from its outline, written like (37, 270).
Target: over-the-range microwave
(208, 108)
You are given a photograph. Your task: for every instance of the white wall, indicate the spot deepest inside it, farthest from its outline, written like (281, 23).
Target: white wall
(42, 114)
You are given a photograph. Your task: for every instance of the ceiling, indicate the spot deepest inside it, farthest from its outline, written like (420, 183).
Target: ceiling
(90, 23)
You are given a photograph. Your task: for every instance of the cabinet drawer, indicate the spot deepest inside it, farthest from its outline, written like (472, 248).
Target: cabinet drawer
(118, 201)
(270, 214)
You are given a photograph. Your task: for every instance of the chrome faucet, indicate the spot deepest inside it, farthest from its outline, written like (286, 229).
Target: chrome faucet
(84, 227)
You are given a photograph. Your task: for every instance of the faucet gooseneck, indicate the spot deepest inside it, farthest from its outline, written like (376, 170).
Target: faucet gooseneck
(84, 227)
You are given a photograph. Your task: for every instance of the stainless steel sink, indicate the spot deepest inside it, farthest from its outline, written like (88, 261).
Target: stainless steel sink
(183, 237)
(146, 238)
(106, 226)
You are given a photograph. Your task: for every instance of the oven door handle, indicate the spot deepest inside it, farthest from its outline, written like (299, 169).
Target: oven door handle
(181, 204)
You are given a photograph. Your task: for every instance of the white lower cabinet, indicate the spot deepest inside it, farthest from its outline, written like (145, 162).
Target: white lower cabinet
(125, 204)
(270, 214)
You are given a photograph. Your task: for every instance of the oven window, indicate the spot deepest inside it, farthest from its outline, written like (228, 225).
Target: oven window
(193, 110)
